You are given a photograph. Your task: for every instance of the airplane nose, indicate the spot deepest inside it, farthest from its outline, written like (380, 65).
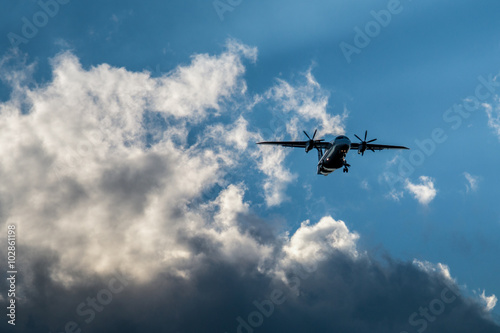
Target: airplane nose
(344, 147)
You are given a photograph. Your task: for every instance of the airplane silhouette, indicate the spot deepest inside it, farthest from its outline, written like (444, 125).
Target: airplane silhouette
(335, 151)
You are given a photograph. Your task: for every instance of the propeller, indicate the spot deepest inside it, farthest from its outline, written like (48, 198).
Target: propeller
(363, 145)
(311, 143)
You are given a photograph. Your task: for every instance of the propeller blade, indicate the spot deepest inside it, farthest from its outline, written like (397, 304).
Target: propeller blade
(307, 135)
(366, 133)
(316, 130)
(371, 140)
(358, 138)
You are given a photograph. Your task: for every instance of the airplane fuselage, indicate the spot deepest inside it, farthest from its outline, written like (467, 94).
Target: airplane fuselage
(334, 156)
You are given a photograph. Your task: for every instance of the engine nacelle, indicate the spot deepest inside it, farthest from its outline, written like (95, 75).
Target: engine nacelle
(309, 146)
(362, 148)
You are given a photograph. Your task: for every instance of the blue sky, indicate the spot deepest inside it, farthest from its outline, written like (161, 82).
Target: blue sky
(400, 87)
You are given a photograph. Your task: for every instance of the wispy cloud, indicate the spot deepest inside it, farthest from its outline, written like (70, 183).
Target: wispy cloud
(395, 195)
(472, 182)
(493, 113)
(270, 162)
(305, 102)
(237, 144)
(489, 301)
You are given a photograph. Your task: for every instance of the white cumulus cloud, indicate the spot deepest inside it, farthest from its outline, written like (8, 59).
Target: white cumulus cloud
(316, 242)
(81, 175)
(423, 192)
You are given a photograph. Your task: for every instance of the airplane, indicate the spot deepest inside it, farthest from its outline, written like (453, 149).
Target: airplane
(335, 151)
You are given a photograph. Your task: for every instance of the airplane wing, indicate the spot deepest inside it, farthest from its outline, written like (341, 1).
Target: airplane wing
(374, 146)
(297, 144)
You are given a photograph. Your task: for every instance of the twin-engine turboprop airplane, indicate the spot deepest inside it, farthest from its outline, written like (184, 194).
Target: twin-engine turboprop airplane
(335, 151)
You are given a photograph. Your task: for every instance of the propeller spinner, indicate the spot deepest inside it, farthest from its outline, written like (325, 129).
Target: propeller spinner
(363, 145)
(311, 143)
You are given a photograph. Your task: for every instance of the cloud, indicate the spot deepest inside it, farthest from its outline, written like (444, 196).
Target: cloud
(314, 242)
(237, 138)
(95, 182)
(395, 195)
(337, 291)
(473, 182)
(270, 162)
(305, 102)
(489, 301)
(423, 192)
(105, 172)
(364, 184)
(493, 113)
(438, 268)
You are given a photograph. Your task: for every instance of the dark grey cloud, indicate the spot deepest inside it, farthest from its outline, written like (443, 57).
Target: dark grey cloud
(339, 294)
